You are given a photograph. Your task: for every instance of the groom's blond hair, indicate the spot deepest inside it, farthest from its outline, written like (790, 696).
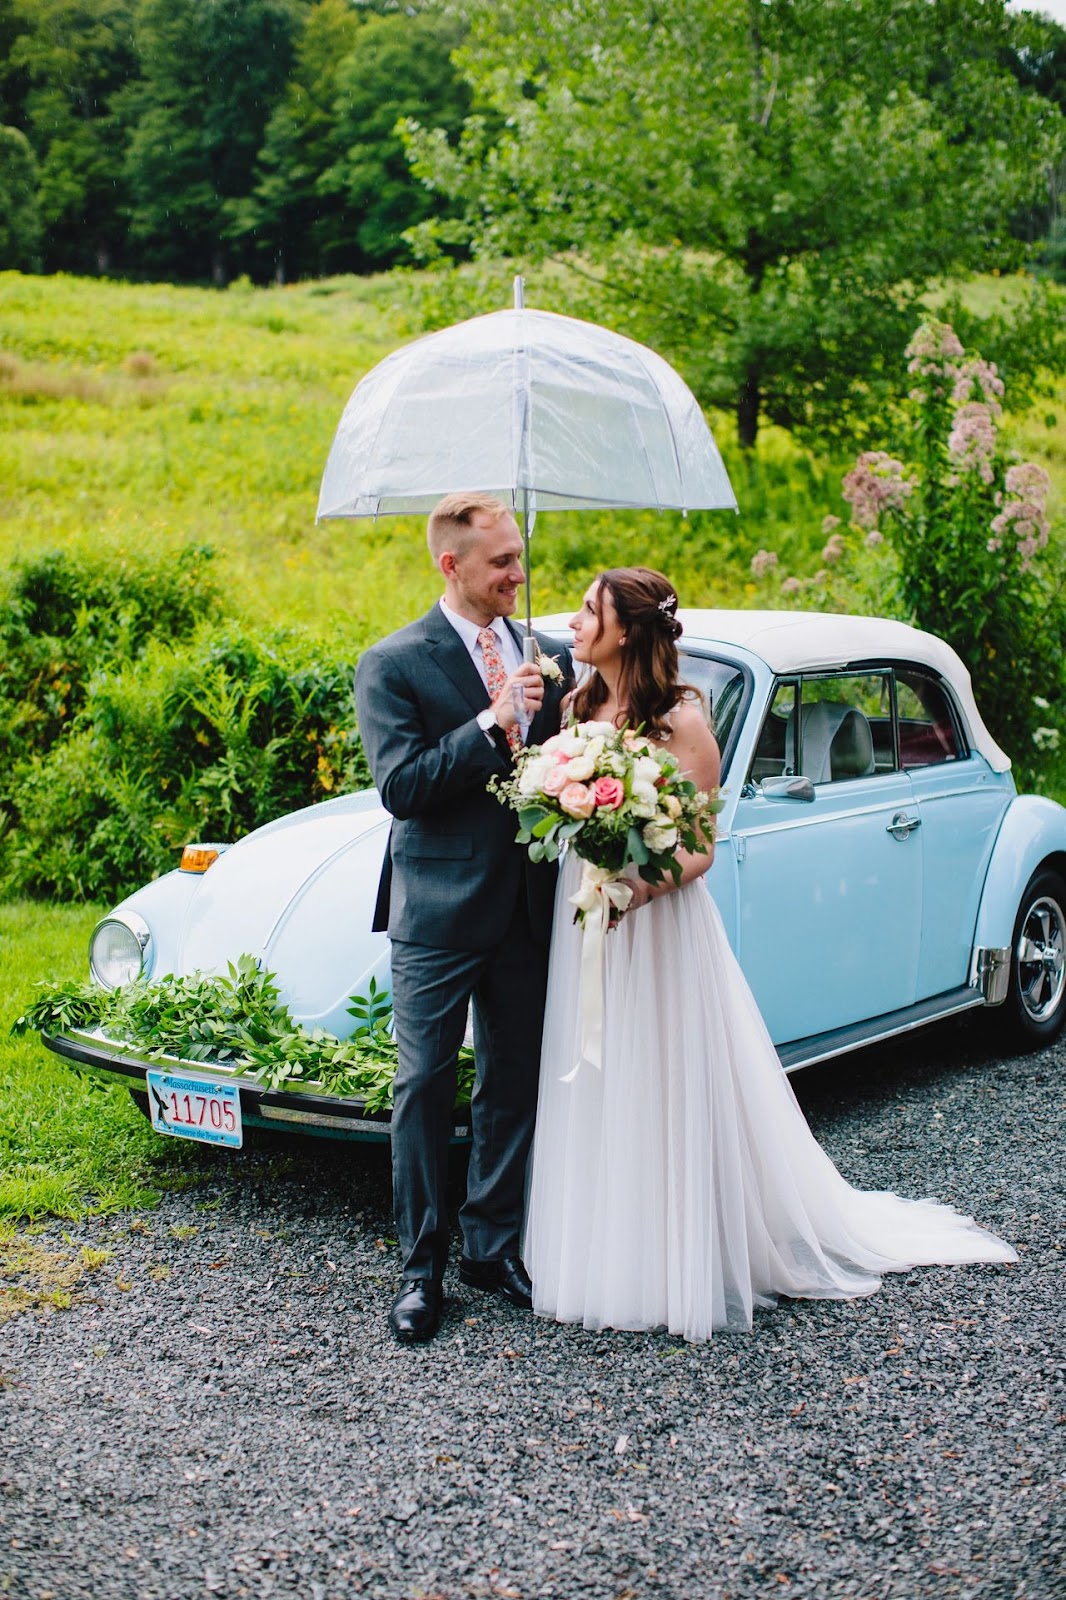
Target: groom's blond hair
(449, 526)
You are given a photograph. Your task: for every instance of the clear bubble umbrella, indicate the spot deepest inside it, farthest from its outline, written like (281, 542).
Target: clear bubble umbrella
(545, 411)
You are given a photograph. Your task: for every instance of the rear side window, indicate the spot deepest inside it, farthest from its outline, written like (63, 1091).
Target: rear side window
(830, 729)
(846, 727)
(928, 733)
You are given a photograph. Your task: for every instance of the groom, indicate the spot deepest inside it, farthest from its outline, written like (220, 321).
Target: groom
(466, 912)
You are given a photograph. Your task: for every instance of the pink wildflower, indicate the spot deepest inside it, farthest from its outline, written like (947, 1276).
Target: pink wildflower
(790, 586)
(1029, 480)
(762, 562)
(1022, 518)
(874, 538)
(983, 377)
(833, 550)
(972, 440)
(875, 484)
(934, 350)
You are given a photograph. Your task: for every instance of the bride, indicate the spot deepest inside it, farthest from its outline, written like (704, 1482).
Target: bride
(679, 1186)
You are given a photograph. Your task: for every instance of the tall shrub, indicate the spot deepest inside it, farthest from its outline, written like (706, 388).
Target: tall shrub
(134, 717)
(969, 529)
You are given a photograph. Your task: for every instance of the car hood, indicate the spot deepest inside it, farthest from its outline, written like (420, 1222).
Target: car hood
(299, 895)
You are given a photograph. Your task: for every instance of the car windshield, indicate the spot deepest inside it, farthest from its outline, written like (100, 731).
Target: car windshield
(722, 685)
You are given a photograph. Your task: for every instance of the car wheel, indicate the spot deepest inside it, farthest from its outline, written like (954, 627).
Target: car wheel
(1035, 1008)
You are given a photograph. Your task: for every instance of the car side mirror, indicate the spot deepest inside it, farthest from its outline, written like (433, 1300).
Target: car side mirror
(787, 788)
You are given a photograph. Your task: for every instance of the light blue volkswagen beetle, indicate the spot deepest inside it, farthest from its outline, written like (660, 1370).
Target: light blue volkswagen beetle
(875, 867)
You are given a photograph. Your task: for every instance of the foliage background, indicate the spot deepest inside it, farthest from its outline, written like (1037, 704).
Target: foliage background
(177, 634)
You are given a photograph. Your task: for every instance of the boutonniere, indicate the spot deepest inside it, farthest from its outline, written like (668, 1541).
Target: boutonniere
(549, 667)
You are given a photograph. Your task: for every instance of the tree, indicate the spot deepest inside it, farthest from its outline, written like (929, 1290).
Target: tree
(20, 222)
(211, 72)
(1038, 60)
(75, 55)
(13, 83)
(762, 188)
(286, 218)
(399, 67)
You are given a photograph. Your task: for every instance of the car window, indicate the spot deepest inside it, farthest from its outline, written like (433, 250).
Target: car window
(722, 685)
(830, 729)
(769, 760)
(845, 727)
(927, 730)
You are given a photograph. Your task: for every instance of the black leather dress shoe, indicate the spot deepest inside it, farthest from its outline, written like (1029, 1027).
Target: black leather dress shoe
(415, 1314)
(507, 1276)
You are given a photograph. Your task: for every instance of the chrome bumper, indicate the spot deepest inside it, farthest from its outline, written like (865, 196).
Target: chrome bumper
(990, 972)
(310, 1111)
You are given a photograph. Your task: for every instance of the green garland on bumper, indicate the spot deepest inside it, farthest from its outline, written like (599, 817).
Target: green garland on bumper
(240, 1022)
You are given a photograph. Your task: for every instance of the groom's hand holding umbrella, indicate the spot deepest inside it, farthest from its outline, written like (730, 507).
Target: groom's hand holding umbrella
(521, 697)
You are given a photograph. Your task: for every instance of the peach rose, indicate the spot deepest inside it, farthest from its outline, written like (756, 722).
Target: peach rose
(577, 800)
(609, 793)
(556, 780)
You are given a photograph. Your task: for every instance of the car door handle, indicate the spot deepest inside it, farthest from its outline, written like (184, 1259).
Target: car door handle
(901, 825)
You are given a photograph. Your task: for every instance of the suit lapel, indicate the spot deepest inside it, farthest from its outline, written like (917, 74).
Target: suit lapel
(450, 654)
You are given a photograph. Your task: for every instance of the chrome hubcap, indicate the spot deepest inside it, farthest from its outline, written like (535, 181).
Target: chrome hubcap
(1040, 955)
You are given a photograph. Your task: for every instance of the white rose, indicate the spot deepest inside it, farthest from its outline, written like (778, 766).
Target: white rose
(657, 838)
(602, 730)
(647, 769)
(580, 768)
(645, 800)
(671, 805)
(533, 774)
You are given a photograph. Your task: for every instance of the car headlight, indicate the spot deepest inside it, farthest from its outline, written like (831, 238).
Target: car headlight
(119, 949)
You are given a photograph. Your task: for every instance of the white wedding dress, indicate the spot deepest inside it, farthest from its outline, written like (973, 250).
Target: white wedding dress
(680, 1186)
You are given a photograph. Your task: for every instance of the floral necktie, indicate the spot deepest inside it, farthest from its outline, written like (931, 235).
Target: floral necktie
(496, 677)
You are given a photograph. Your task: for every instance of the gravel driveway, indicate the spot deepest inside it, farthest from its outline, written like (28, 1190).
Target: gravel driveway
(222, 1412)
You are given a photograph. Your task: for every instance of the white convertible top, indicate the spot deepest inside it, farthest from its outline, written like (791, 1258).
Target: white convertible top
(803, 641)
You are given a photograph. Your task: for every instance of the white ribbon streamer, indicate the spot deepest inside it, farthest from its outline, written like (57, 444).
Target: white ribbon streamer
(599, 892)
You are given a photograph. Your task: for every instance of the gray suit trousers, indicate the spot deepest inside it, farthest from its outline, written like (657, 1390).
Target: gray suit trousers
(432, 988)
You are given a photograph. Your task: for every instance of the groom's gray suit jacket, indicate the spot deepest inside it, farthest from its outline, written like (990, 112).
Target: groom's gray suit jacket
(452, 872)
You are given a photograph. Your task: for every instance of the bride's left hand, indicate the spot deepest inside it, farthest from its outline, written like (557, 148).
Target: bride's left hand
(641, 895)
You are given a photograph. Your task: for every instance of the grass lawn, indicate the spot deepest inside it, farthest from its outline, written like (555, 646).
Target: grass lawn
(69, 1145)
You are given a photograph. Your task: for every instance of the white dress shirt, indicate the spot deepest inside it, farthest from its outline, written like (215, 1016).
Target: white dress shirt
(468, 631)
(505, 642)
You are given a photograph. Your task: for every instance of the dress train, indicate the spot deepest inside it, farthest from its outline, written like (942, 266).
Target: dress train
(680, 1186)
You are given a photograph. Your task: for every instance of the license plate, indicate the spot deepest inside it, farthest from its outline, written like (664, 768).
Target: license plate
(195, 1108)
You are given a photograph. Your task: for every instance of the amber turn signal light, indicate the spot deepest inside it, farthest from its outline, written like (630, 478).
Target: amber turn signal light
(198, 857)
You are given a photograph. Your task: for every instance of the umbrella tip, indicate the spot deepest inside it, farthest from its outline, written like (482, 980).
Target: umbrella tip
(519, 293)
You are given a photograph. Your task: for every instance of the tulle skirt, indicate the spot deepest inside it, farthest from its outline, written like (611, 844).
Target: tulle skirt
(680, 1186)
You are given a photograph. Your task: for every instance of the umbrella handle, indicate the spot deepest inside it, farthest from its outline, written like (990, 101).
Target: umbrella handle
(529, 517)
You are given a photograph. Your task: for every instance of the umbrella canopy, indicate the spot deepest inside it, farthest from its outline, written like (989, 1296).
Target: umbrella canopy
(547, 412)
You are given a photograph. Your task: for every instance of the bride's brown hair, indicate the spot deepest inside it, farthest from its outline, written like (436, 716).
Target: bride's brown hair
(646, 606)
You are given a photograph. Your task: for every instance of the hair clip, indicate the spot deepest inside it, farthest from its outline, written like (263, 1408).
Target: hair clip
(669, 604)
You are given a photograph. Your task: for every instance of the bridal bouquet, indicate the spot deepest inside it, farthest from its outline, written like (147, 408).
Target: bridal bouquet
(618, 800)
(621, 803)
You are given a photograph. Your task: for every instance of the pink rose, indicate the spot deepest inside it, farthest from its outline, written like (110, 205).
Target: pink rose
(609, 793)
(556, 781)
(577, 799)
